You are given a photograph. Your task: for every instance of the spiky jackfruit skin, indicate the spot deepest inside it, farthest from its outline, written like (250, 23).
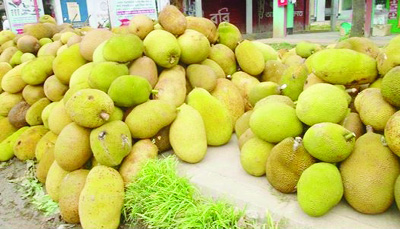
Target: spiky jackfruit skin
(322, 103)
(96, 211)
(110, 143)
(286, 162)
(90, 107)
(369, 175)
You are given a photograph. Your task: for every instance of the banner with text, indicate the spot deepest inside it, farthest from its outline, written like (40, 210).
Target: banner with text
(122, 11)
(21, 12)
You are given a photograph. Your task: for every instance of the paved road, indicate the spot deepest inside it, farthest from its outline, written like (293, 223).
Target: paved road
(324, 38)
(221, 175)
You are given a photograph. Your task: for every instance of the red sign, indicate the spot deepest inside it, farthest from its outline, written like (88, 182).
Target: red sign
(282, 2)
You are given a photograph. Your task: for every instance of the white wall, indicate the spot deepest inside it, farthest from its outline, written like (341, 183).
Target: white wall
(320, 10)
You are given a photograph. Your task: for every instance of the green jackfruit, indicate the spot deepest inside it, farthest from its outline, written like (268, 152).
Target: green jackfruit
(250, 58)
(7, 145)
(25, 145)
(285, 164)
(343, 66)
(322, 103)
(254, 155)
(274, 122)
(146, 119)
(72, 148)
(229, 35)
(216, 117)
(188, 135)
(110, 143)
(369, 175)
(89, 107)
(329, 142)
(319, 189)
(101, 199)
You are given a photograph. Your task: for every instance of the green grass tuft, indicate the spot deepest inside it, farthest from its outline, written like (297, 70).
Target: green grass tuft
(30, 188)
(160, 198)
(283, 45)
(157, 196)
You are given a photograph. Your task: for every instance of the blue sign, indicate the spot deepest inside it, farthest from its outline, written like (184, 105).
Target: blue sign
(75, 12)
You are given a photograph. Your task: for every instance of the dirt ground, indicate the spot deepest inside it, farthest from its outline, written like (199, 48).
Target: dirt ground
(16, 212)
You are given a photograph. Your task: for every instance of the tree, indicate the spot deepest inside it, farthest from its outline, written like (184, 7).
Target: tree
(358, 20)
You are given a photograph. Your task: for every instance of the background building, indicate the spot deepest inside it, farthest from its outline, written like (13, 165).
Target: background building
(250, 16)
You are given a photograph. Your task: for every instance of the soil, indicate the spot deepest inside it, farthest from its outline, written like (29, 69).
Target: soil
(16, 212)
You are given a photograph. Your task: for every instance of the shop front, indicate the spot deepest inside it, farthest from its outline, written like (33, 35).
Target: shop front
(234, 11)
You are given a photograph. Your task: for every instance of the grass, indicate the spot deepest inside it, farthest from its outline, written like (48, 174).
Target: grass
(32, 190)
(283, 45)
(323, 27)
(160, 198)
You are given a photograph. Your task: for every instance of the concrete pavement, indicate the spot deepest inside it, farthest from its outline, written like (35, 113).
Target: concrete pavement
(324, 38)
(220, 175)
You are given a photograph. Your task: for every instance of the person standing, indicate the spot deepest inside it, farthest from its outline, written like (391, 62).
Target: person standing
(6, 23)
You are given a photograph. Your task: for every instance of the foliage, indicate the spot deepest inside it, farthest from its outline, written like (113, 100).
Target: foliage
(160, 198)
(283, 45)
(32, 190)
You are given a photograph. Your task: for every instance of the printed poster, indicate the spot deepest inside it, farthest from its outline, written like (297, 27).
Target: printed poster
(99, 17)
(75, 12)
(393, 4)
(161, 4)
(122, 11)
(21, 12)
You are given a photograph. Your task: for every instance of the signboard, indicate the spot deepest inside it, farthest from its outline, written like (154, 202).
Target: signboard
(122, 11)
(393, 16)
(74, 12)
(393, 7)
(233, 11)
(98, 11)
(161, 4)
(282, 2)
(22, 12)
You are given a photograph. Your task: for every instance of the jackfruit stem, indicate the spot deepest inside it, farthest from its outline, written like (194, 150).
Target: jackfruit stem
(349, 136)
(104, 116)
(154, 92)
(352, 90)
(383, 140)
(369, 129)
(172, 60)
(297, 143)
